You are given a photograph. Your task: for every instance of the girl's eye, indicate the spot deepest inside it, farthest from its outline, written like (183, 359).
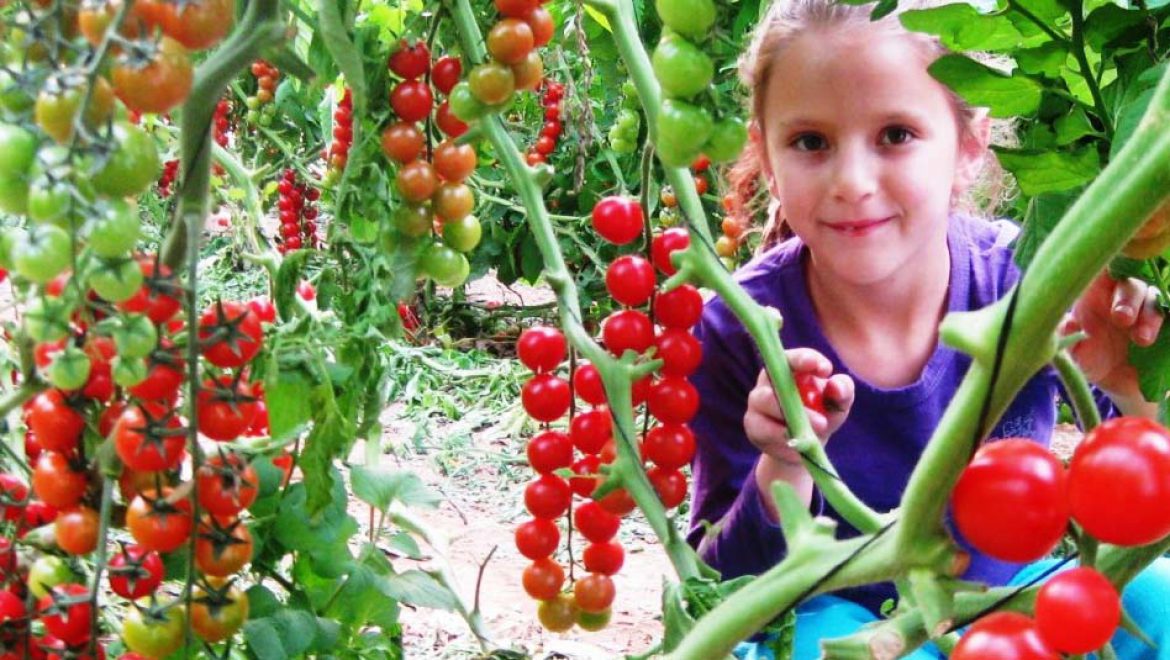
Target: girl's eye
(808, 142)
(896, 135)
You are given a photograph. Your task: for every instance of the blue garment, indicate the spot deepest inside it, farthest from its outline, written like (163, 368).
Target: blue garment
(1146, 599)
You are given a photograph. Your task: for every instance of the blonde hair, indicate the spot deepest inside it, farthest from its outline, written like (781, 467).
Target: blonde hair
(785, 20)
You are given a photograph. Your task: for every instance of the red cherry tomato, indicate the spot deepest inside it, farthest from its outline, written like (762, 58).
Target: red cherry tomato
(627, 329)
(630, 280)
(446, 72)
(1077, 611)
(680, 307)
(595, 523)
(537, 538)
(545, 397)
(1003, 636)
(665, 244)
(618, 219)
(549, 451)
(410, 60)
(587, 384)
(541, 348)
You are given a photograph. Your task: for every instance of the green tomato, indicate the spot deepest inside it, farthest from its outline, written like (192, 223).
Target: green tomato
(132, 167)
(692, 18)
(252, 117)
(50, 200)
(8, 238)
(413, 220)
(463, 234)
(128, 371)
(47, 572)
(135, 337)
(117, 279)
(681, 68)
(69, 369)
(47, 319)
(444, 265)
(252, 103)
(115, 229)
(13, 195)
(265, 120)
(593, 621)
(18, 149)
(683, 129)
(463, 103)
(44, 254)
(492, 83)
(727, 140)
(621, 146)
(12, 97)
(153, 630)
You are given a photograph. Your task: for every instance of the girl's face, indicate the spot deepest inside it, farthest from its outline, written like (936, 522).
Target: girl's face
(863, 152)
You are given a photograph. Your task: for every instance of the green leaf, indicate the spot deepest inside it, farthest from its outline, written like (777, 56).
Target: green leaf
(263, 639)
(1044, 212)
(325, 442)
(405, 544)
(379, 488)
(531, 261)
(296, 529)
(961, 27)
(598, 17)
(1133, 108)
(361, 602)
(418, 588)
(287, 394)
(348, 57)
(676, 621)
(1073, 126)
(297, 630)
(1039, 172)
(1107, 23)
(262, 602)
(982, 86)
(1153, 365)
(1045, 60)
(287, 279)
(327, 636)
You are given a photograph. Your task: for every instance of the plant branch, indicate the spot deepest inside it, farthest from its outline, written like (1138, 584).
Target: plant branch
(1077, 388)
(1076, 10)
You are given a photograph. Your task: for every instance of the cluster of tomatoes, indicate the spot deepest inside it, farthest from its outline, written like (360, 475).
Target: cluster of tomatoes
(169, 173)
(684, 71)
(431, 182)
(338, 153)
(623, 135)
(1015, 500)
(261, 109)
(298, 215)
(546, 143)
(515, 63)
(222, 122)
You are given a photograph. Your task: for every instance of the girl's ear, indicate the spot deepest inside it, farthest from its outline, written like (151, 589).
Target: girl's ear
(973, 145)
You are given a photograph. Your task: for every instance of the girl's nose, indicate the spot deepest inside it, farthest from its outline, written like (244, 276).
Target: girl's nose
(854, 174)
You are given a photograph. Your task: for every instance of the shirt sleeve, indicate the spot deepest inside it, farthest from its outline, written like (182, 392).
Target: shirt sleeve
(744, 541)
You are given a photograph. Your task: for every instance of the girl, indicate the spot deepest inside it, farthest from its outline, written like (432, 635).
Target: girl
(868, 156)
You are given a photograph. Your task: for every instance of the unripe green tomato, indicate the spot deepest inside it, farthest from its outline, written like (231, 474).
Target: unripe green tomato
(46, 319)
(12, 97)
(50, 200)
(680, 67)
(463, 103)
(47, 572)
(8, 238)
(135, 337)
(132, 167)
(727, 140)
(594, 621)
(13, 195)
(692, 18)
(115, 229)
(153, 637)
(69, 369)
(128, 371)
(116, 280)
(18, 149)
(413, 220)
(463, 234)
(728, 263)
(252, 116)
(44, 254)
(265, 120)
(252, 103)
(668, 218)
(445, 266)
(621, 146)
(683, 129)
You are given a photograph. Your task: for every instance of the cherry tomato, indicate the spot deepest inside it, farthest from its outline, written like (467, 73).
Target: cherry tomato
(154, 631)
(66, 620)
(454, 162)
(541, 348)
(217, 614)
(669, 446)
(1011, 501)
(594, 592)
(510, 41)
(628, 329)
(630, 280)
(590, 430)
(402, 142)
(238, 334)
(549, 451)
(548, 496)
(545, 397)
(618, 502)
(1077, 611)
(618, 219)
(158, 525)
(515, 8)
(135, 572)
(543, 579)
(146, 438)
(77, 530)
(225, 409)
(604, 558)
(665, 244)
(810, 392)
(411, 100)
(558, 614)
(54, 422)
(57, 482)
(222, 551)
(155, 78)
(226, 485)
(587, 384)
(1119, 482)
(671, 486)
(416, 181)
(263, 308)
(537, 538)
(541, 23)
(528, 73)
(1003, 636)
(447, 122)
(491, 83)
(410, 60)
(446, 72)
(586, 477)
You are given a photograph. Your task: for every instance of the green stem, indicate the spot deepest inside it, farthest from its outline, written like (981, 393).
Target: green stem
(1077, 387)
(1037, 21)
(253, 211)
(99, 562)
(1091, 232)
(1078, 47)
(616, 376)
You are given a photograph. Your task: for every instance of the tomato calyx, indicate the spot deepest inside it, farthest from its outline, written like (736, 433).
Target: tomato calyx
(135, 572)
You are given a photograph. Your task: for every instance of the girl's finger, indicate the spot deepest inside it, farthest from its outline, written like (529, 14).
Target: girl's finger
(807, 360)
(839, 392)
(762, 400)
(1149, 321)
(1129, 296)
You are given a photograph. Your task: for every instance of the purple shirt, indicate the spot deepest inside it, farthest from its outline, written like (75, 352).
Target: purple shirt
(880, 442)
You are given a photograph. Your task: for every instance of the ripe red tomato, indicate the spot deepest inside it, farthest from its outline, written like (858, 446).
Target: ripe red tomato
(409, 60)
(618, 502)
(77, 530)
(669, 446)
(541, 348)
(587, 384)
(594, 592)
(680, 352)
(154, 298)
(57, 481)
(199, 25)
(543, 579)
(618, 219)
(515, 8)
(627, 329)
(674, 400)
(416, 181)
(306, 291)
(145, 438)
(454, 162)
(158, 83)
(1011, 500)
(548, 496)
(11, 609)
(630, 280)
(545, 397)
(56, 425)
(263, 308)
(158, 525)
(446, 72)
(671, 486)
(231, 334)
(595, 523)
(411, 100)
(217, 614)
(510, 40)
(811, 393)
(221, 551)
(451, 125)
(537, 538)
(68, 622)
(1119, 482)
(225, 409)
(1003, 636)
(604, 558)
(549, 451)
(587, 467)
(135, 572)
(541, 22)
(590, 430)
(402, 142)
(1077, 611)
(165, 376)
(226, 485)
(13, 497)
(665, 244)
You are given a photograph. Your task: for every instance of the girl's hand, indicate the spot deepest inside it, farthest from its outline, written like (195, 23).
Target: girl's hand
(1113, 313)
(764, 420)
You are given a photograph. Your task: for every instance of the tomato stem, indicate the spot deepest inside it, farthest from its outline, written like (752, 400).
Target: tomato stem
(1077, 388)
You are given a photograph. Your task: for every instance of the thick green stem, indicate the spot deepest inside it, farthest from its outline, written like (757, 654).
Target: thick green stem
(1078, 48)
(259, 29)
(1091, 232)
(1077, 387)
(616, 377)
(99, 562)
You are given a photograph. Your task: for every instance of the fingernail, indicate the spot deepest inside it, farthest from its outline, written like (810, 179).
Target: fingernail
(1124, 311)
(1146, 336)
